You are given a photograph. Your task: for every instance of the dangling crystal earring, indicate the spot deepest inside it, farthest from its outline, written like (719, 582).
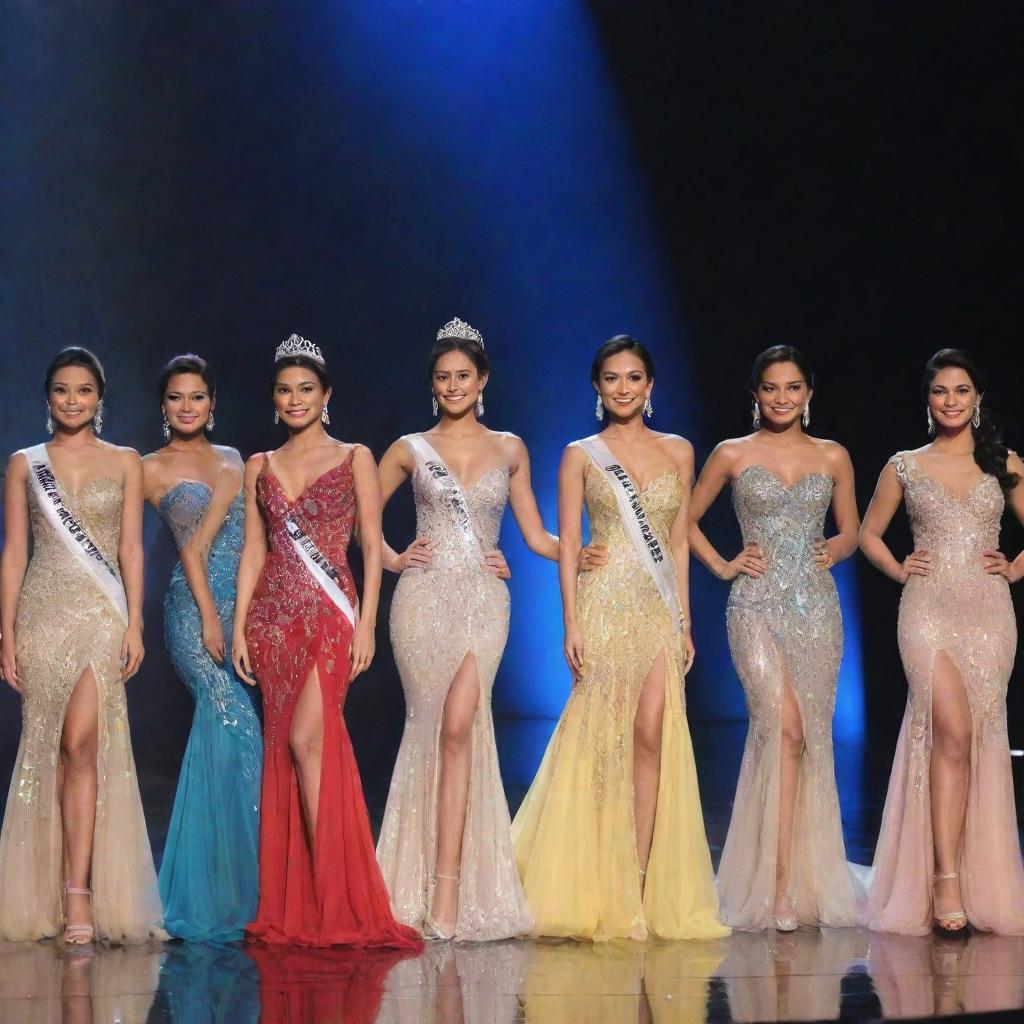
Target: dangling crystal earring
(209, 424)
(755, 415)
(805, 419)
(325, 417)
(49, 421)
(277, 416)
(931, 421)
(976, 418)
(599, 411)
(433, 404)
(480, 403)
(97, 420)
(648, 408)
(166, 428)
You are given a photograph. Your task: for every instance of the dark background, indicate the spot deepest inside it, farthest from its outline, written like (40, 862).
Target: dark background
(713, 178)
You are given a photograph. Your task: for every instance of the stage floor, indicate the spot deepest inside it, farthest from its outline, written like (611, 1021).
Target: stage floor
(847, 974)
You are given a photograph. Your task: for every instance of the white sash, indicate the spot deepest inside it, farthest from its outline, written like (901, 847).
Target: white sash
(637, 525)
(320, 568)
(83, 548)
(432, 464)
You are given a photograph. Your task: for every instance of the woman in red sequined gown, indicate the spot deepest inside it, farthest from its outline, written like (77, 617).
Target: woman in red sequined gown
(294, 633)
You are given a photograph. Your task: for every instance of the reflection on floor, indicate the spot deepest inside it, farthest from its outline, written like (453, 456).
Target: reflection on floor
(845, 974)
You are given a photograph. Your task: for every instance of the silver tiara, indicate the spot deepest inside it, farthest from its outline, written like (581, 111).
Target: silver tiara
(460, 329)
(299, 346)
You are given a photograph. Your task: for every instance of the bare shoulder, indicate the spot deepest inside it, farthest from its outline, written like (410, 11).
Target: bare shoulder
(836, 456)
(510, 444)
(728, 452)
(229, 456)
(574, 456)
(254, 465)
(17, 465)
(1014, 463)
(677, 444)
(128, 457)
(361, 455)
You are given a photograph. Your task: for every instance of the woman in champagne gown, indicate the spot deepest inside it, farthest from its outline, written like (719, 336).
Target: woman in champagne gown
(208, 877)
(610, 838)
(74, 852)
(784, 862)
(298, 633)
(949, 852)
(444, 846)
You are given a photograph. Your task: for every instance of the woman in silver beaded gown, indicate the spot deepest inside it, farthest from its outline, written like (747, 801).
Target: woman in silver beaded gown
(949, 853)
(784, 862)
(444, 846)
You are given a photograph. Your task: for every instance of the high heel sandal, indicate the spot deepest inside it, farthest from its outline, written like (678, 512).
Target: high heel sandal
(941, 920)
(432, 931)
(789, 923)
(78, 934)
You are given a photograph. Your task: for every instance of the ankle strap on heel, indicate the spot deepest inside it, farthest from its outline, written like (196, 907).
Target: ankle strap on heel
(72, 891)
(941, 878)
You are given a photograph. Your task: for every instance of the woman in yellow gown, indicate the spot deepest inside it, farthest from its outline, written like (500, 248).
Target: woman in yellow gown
(610, 839)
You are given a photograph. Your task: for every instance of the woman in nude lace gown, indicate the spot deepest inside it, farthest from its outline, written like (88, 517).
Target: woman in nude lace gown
(444, 845)
(72, 636)
(610, 839)
(784, 862)
(949, 853)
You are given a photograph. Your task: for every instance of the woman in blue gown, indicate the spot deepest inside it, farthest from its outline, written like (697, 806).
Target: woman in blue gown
(208, 876)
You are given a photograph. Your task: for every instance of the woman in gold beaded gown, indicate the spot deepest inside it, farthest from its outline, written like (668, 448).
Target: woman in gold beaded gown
(610, 838)
(72, 636)
(948, 854)
(784, 862)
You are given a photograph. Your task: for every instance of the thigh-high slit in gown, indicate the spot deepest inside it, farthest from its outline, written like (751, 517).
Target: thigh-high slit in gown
(961, 613)
(575, 833)
(208, 873)
(786, 629)
(65, 626)
(440, 615)
(337, 896)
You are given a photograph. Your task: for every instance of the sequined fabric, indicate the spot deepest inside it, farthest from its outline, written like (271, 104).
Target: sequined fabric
(337, 896)
(785, 629)
(66, 625)
(208, 875)
(574, 835)
(961, 613)
(439, 615)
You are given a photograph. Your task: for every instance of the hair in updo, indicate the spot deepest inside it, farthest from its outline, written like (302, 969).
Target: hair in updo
(188, 363)
(780, 354)
(75, 355)
(472, 348)
(612, 347)
(307, 364)
(989, 451)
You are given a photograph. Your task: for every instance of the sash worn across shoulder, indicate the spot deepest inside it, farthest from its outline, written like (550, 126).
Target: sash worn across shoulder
(433, 465)
(320, 568)
(83, 548)
(637, 526)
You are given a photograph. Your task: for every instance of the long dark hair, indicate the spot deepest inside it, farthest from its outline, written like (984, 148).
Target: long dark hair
(75, 355)
(989, 451)
(780, 354)
(612, 347)
(188, 363)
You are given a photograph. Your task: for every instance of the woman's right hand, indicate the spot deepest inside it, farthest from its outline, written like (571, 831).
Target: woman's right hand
(418, 555)
(9, 663)
(240, 659)
(572, 648)
(750, 562)
(917, 563)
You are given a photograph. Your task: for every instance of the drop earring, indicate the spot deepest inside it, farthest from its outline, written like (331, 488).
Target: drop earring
(209, 424)
(49, 421)
(648, 408)
(325, 417)
(480, 403)
(277, 416)
(599, 411)
(805, 419)
(931, 421)
(433, 404)
(166, 429)
(976, 418)
(97, 420)
(755, 415)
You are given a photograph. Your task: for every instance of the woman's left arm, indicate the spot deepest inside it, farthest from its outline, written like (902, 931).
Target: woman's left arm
(524, 504)
(996, 562)
(682, 455)
(368, 510)
(843, 543)
(129, 557)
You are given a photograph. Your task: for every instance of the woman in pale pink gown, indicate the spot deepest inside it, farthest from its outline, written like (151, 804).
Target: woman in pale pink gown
(949, 853)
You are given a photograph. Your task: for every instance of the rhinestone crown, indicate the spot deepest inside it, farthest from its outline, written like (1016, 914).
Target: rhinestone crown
(296, 345)
(460, 329)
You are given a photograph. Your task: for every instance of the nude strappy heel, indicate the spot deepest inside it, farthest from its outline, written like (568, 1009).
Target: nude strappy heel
(432, 931)
(78, 934)
(953, 917)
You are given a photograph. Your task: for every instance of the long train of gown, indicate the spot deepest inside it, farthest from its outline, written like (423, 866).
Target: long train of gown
(574, 835)
(786, 626)
(293, 626)
(65, 625)
(965, 614)
(438, 616)
(208, 876)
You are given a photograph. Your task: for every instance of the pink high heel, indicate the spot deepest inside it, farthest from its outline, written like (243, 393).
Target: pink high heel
(78, 934)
